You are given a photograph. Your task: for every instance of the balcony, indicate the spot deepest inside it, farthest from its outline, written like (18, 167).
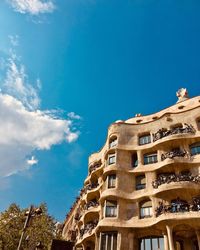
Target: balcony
(161, 133)
(88, 228)
(169, 178)
(72, 235)
(173, 153)
(94, 167)
(178, 206)
(92, 203)
(91, 186)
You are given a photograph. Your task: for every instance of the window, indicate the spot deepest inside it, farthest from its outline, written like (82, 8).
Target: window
(113, 142)
(111, 209)
(146, 209)
(145, 139)
(111, 159)
(140, 182)
(134, 160)
(195, 149)
(108, 241)
(150, 158)
(152, 243)
(111, 181)
(198, 124)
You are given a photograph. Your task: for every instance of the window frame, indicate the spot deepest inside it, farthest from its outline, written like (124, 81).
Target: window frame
(159, 239)
(144, 139)
(110, 181)
(111, 156)
(113, 142)
(134, 160)
(113, 241)
(150, 157)
(195, 146)
(113, 213)
(138, 182)
(144, 206)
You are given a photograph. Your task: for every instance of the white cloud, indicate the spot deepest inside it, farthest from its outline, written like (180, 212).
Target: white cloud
(32, 161)
(72, 115)
(23, 131)
(33, 7)
(16, 84)
(24, 126)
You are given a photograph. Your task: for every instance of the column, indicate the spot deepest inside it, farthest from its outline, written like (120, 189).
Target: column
(198, 237)
(131, 240)
(170, 238)
(119, 241)
(140, 157)
(166, 245)
(97, 241)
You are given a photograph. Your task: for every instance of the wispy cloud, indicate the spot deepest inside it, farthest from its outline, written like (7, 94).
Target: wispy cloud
(33, 7)
(14, 40)
(26, 128)
(72, 115)
(16, 84)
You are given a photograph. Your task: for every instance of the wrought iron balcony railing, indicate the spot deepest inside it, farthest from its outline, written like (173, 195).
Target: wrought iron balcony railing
(173, 153)
(93, 203)
(88, 228)
(161, 133)
(168, 178)
(94, 167)
(178, 206)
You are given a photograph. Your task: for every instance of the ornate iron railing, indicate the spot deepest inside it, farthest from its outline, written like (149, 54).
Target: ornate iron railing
(168, 178)
(188, 128)
(178, 206)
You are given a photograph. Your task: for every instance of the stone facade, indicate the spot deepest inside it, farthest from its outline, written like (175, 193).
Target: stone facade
(142, 189)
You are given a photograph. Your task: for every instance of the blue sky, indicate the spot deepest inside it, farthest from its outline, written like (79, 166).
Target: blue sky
(68, 69)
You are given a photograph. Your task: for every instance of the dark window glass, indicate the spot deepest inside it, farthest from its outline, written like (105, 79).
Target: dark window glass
(111, 209)
(111, 159)
(150, 158)
(109, 241)
(152, 243)
(195, 149)
(113, 142)
(145, 139)
(140, 182)
(146, 209)
(112, 181)
(134, 160)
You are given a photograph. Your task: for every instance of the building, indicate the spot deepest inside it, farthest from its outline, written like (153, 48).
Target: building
(142, 189)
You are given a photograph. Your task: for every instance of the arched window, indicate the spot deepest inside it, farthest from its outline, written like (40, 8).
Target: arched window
(144, 139)
(113, 142)
(146, 209)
